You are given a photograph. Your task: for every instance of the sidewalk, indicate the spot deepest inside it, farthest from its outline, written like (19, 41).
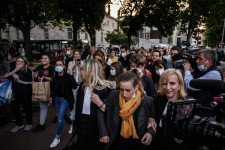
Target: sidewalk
(28, 140)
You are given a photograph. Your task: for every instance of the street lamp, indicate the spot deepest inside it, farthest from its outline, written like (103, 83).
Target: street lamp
(222, 43)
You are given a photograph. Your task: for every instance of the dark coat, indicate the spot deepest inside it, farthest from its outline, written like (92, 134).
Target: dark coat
(110, 126)
(91, 140)
(66, 84)
(165, 135)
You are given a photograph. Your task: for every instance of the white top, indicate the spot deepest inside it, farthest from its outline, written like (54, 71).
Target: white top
(87, 102)
(164, 113)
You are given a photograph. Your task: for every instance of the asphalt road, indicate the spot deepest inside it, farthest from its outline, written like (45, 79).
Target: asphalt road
(28, 140)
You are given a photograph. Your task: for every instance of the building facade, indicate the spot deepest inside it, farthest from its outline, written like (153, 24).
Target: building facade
(66, 33)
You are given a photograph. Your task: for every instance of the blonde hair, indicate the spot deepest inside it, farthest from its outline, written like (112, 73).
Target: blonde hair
(95, 76)
(168, 72)
(26, 63)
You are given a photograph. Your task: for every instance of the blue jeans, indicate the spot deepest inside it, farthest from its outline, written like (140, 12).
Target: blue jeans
(62, 106)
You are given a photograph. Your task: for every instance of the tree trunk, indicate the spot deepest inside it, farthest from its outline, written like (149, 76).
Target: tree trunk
(27, 42)
(128, 39)
(92, 36)
(74, 36)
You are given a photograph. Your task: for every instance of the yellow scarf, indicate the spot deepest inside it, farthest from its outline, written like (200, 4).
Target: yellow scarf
(126, 113)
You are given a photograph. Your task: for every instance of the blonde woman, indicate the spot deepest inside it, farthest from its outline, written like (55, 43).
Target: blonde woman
(86, 111)
(171, 88)
(22, 78)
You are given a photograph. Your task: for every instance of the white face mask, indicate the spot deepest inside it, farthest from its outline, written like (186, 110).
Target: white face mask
(159, 72)
(68, 52)
(124, 54)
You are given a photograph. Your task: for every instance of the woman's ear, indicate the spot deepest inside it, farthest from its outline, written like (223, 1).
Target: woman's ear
(137, 86)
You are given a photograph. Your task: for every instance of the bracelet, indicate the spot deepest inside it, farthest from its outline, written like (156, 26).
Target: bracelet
(101, 105)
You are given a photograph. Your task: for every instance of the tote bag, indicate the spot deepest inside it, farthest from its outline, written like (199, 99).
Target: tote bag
(40, 91)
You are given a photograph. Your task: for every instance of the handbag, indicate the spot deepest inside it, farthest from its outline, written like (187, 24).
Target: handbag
(40, 91)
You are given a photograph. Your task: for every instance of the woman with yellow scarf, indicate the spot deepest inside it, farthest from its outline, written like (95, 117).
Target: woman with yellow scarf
(124, 124)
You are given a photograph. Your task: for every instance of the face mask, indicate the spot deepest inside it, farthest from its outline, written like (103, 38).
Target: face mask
(159, 72)
(202, 68)
(68, 52)
(113, 72)
(134, 94)
(124, 54)
(59, 69)
(139, 70)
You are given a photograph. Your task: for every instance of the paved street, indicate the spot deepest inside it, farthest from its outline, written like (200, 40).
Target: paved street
(28, 140)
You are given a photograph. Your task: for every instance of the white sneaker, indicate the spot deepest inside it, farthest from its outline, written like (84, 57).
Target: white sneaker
(27, 127)
(15, 129)
(55, 142)
(71, 130)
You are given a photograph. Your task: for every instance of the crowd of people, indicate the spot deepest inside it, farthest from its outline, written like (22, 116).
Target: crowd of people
(115, 101)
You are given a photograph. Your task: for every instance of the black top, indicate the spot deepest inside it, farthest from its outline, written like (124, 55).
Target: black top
(89, 140)
(148, 85)
(107, 71)
(23, 85)
(62, 87)
(48, 72)
(164, 135)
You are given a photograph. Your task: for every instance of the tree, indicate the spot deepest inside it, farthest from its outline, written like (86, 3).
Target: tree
(162, 14)
(93, 14)
(69, 13)
(132, 18)
(24, 15)
(116, 37)
(192, 16)
(214, 22)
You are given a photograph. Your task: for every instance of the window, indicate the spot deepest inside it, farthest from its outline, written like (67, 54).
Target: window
(69, 33)
(108, 23)
(113, 25)
(78, 35)
(46, 36)
(86, 36)
(102, 37)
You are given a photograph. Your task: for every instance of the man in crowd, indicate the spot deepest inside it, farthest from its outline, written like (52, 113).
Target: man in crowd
(207, 69)
(156, 55)
(92, 52)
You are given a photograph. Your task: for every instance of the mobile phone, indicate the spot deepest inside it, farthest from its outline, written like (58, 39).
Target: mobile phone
(78, 61)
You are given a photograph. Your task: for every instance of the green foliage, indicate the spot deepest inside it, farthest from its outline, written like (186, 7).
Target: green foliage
(133, 18)
(93, 14)
(116, 37)
(214, 22)
(162, 14)
(24, 15)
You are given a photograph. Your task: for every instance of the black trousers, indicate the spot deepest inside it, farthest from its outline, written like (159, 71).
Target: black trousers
(26, 102)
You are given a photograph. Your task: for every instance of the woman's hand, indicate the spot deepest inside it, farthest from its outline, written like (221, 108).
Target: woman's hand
(36, 74)
(178, 141)
(15, 76)
(152, 123)
(95, 99)
(20, 66)
(50, 101)
(104, 139)
(146, 139)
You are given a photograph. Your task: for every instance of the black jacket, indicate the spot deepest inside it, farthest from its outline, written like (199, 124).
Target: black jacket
(164, 135)
(90, 141)
(110, 126)
(65, 84)
(148, 85)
